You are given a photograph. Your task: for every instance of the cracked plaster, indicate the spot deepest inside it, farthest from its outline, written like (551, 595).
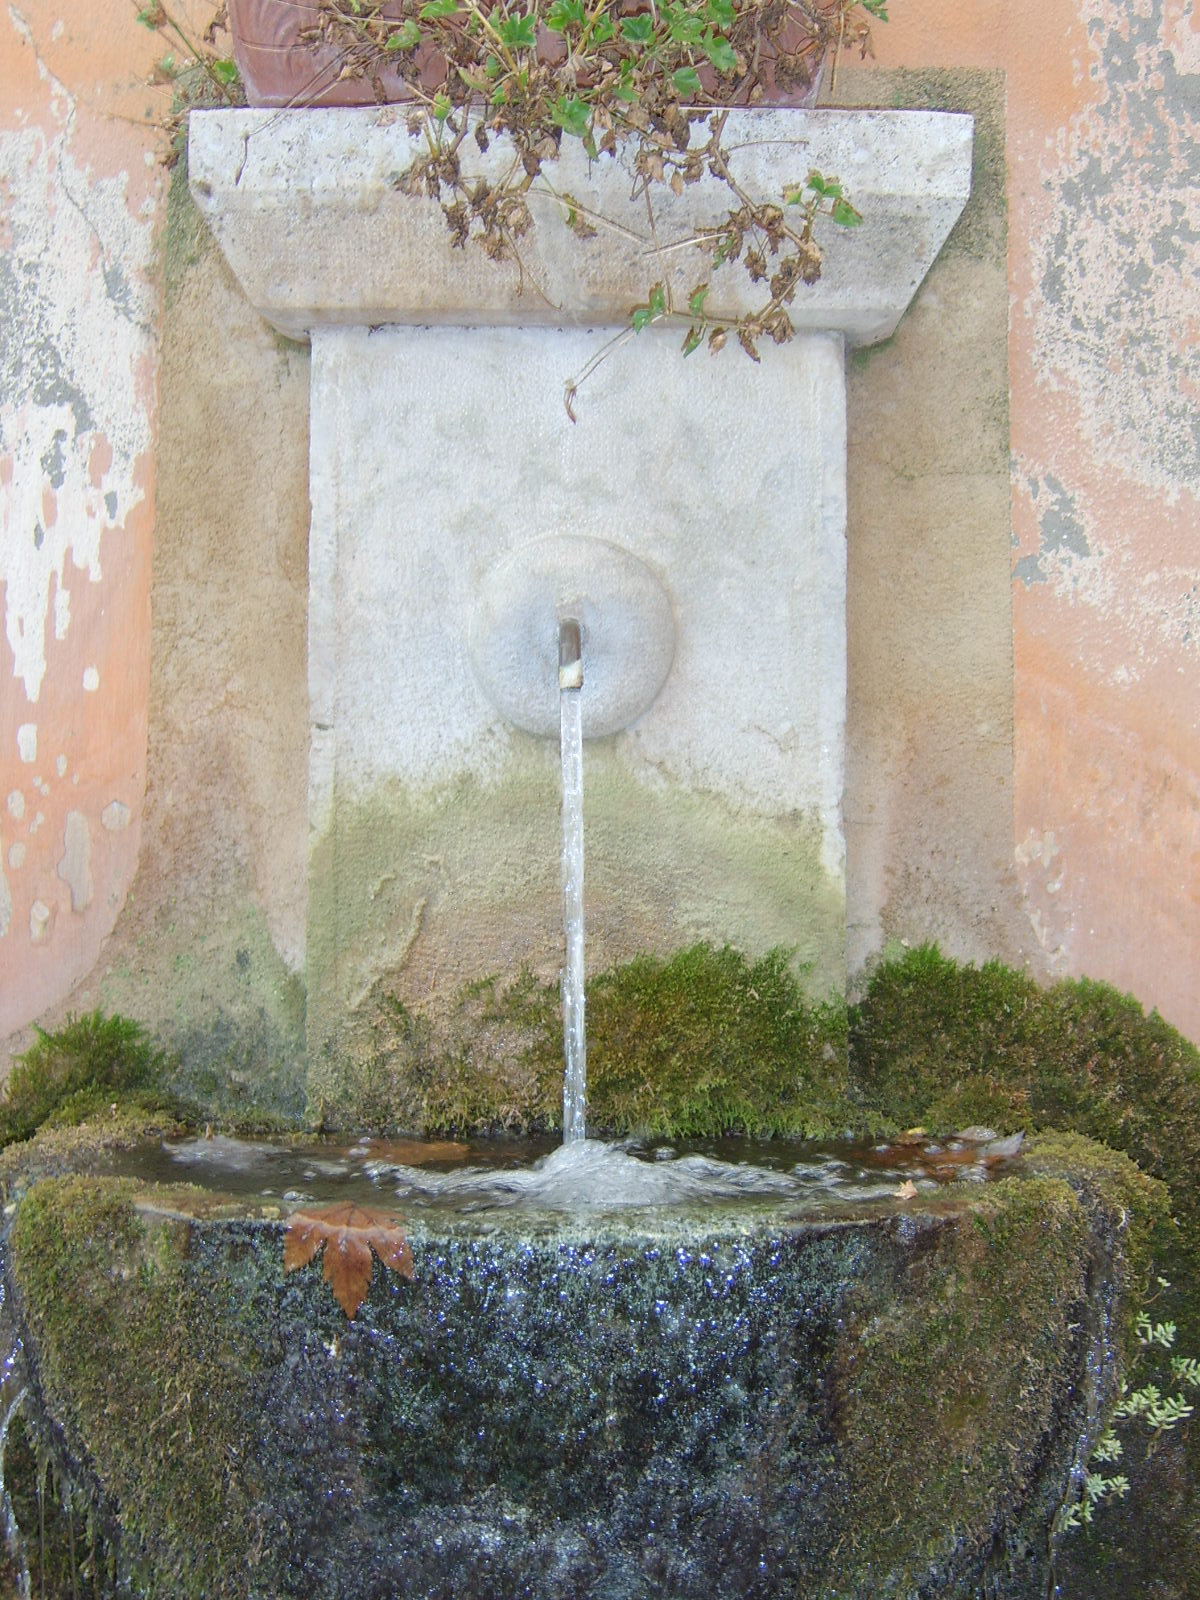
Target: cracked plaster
(1105, 684)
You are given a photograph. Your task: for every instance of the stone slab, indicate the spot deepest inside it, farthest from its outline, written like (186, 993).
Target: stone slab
(306, 207)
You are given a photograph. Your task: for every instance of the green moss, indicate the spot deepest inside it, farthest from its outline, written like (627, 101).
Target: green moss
(418, 894)
(232, 1014)
(60, 1147)
(70, 1074)
(709, 1043)
(171, 1441)
(871, 1400)
(944, 1045)
(185, 238)
(948, 1458)
(699, 1044)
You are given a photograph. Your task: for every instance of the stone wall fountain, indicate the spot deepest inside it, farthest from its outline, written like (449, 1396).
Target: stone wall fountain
(697, 508)
(799, 1385)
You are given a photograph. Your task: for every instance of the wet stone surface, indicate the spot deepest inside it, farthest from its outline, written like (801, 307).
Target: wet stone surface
(738, 1399)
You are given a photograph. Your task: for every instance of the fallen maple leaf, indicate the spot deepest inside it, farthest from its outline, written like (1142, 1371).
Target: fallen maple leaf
(349, 1233)
(907, 1190)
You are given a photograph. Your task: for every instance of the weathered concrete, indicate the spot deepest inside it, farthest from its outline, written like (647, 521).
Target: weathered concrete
(1104, 672)
(1102, 226)
(308, 209)
(437, 453)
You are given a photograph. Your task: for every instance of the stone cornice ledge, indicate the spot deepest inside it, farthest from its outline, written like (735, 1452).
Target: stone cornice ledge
(306, 208)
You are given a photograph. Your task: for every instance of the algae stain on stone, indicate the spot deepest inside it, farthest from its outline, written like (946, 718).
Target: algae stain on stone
(216, 992)
(417, 895)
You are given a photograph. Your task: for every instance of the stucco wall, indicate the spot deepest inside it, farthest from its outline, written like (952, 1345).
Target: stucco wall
(80, 192)
(1031, 793)
(1103, 226)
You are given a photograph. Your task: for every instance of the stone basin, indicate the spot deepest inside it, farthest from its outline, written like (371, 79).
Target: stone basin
(890, 1397)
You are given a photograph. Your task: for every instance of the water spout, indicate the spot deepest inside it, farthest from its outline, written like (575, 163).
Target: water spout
(570, 685)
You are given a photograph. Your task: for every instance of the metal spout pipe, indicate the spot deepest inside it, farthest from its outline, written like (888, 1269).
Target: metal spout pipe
(570, 655)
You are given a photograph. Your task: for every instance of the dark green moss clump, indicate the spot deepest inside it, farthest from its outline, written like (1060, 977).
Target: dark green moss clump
(708, 1043)
(148, 1368)
(946, 1400)
(77, 1072)
(699, 1044)
(943, 1045)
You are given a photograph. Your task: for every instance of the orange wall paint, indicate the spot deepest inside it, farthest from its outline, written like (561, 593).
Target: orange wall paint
(1107, 637)
(82, 188)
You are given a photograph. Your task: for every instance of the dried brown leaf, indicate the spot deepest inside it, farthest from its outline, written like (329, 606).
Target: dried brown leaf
(348, 1233)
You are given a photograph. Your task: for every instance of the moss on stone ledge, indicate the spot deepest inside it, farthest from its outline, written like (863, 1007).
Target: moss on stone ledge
(917, 1374)
(148, 1368)
(946, 1401)
(944, 1045)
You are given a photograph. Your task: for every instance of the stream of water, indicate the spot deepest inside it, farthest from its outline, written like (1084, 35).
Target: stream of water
(574, 1036)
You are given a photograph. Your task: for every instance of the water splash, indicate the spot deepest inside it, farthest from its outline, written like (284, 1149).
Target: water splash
(588, 1174)
(570, 683)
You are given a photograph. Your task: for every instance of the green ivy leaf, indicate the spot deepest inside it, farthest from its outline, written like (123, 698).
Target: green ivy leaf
(602, 31)
(564, 14)
(720, 13)
(686, 81)
(685, 27)
(655, 306)
(405, 37)
(845, 214)
(720, 52)
(571, 114)
(638, 30)
(518, 33)
(433, 9)
(224, 71)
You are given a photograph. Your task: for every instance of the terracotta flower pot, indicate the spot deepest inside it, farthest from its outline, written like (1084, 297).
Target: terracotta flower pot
(280, 68)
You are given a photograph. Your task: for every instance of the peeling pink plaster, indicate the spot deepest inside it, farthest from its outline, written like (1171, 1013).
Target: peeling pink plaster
(1107, 588)
(1103, 213)
(80, 189)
